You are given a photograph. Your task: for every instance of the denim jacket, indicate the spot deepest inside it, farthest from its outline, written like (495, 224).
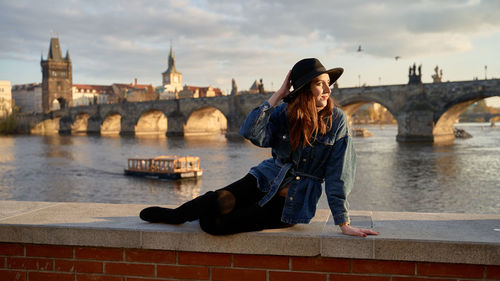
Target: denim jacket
(331, 160)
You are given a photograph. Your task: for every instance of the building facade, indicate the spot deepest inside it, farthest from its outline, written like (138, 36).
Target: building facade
(84, 94)
(28, 97)
(5, 99)
(133, 92)
(57, 78)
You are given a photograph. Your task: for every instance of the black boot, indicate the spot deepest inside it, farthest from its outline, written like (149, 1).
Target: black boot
(159, 214)
(188, 211)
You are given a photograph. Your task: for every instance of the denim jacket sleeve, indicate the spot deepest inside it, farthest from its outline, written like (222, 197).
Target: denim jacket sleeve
(258, 126)
(340, 172)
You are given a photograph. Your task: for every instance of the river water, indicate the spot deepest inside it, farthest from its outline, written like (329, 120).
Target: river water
(461, 177)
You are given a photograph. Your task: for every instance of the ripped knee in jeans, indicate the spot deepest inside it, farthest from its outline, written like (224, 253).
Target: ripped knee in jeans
(226, 201)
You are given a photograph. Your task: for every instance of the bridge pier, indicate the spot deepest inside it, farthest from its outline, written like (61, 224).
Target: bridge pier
(419, 126)
(127, 126)
(415, 126)
(65, 125)
(175, 125)
(94, 126)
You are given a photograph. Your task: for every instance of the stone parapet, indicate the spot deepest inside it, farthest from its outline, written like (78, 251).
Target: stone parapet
(410, 246)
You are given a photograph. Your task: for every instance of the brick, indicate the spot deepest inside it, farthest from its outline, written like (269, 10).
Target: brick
(493, 272)
(44, 276)
(30, 263)
(64, 265)
(258, 261)
(89, 277)
(141, 279)
(229, 274)
(401, 278)
(287, 276)
(150, 256)
(130, 269)
(321, 264)
(7, 249)
(106, 254)
(89, 267)
(183, 272)
(383, 267)
(3, 262)
(49, 251)
(450, 270)
(340, 277)
(191, 258)
(12, 275)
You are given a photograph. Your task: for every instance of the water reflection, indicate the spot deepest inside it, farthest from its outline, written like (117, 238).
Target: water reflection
(391, 176)
(6, 149)
(56, 146)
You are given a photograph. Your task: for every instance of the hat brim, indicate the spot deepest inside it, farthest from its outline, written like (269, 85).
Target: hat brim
(334, 74)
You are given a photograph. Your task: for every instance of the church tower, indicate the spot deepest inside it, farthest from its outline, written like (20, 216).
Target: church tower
(57, 79)
(171, 78)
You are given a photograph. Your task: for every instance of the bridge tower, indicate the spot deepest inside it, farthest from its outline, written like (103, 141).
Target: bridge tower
(57, 79)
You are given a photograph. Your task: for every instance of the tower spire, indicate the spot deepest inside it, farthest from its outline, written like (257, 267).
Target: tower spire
(54, 50)
(171, 60)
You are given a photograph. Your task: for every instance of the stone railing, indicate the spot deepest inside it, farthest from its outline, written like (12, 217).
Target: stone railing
(89, 241)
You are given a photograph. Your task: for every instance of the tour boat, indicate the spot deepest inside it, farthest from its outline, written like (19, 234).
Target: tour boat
(165, 167)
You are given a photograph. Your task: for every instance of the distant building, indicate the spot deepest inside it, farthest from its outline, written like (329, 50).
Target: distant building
(199, 92)
(57, 78)
(84, 94)
(256, 88)
(172, 85)
(171, 78)
(5, 99)
(133, 92)
(28, 97)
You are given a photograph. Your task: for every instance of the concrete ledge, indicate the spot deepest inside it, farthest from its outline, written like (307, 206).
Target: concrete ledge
(450, 238)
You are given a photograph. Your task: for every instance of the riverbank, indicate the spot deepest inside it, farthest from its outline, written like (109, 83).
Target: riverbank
(83, 241)
(9, 125)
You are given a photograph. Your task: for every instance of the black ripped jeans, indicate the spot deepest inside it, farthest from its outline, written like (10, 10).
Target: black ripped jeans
(246, 215)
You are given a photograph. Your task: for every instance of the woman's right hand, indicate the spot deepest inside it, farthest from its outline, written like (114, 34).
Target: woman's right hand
(282, 92)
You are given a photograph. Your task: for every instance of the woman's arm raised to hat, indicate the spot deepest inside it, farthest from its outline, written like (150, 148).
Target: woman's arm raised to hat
(282, 92)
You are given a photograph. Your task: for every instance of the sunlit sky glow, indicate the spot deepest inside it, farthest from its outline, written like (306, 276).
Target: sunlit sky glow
(216, 40)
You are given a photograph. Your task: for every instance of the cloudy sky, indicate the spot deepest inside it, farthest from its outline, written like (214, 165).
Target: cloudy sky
(215, 40)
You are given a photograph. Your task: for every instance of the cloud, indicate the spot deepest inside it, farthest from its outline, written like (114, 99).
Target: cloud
(216, 40)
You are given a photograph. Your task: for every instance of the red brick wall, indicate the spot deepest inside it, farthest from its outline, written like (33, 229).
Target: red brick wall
(33, 262)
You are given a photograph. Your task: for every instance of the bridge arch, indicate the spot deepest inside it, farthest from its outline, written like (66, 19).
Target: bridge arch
(446, 118)
(205, 121)
(80, 123)
(351, 105)
(46, 127)
(59, 103)
(111, 123)
(151, 121)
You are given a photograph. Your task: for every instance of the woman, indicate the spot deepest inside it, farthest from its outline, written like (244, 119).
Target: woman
(310, 146)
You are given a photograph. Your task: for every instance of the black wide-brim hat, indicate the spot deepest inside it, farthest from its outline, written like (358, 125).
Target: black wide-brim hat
(304, 71)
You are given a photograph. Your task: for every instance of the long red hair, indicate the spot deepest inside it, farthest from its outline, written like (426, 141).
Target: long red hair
(304, 119)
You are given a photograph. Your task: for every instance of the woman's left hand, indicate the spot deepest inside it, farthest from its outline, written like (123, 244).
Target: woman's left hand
(354, 231)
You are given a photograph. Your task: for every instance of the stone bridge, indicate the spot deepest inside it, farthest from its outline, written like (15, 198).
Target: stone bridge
(424, 112)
